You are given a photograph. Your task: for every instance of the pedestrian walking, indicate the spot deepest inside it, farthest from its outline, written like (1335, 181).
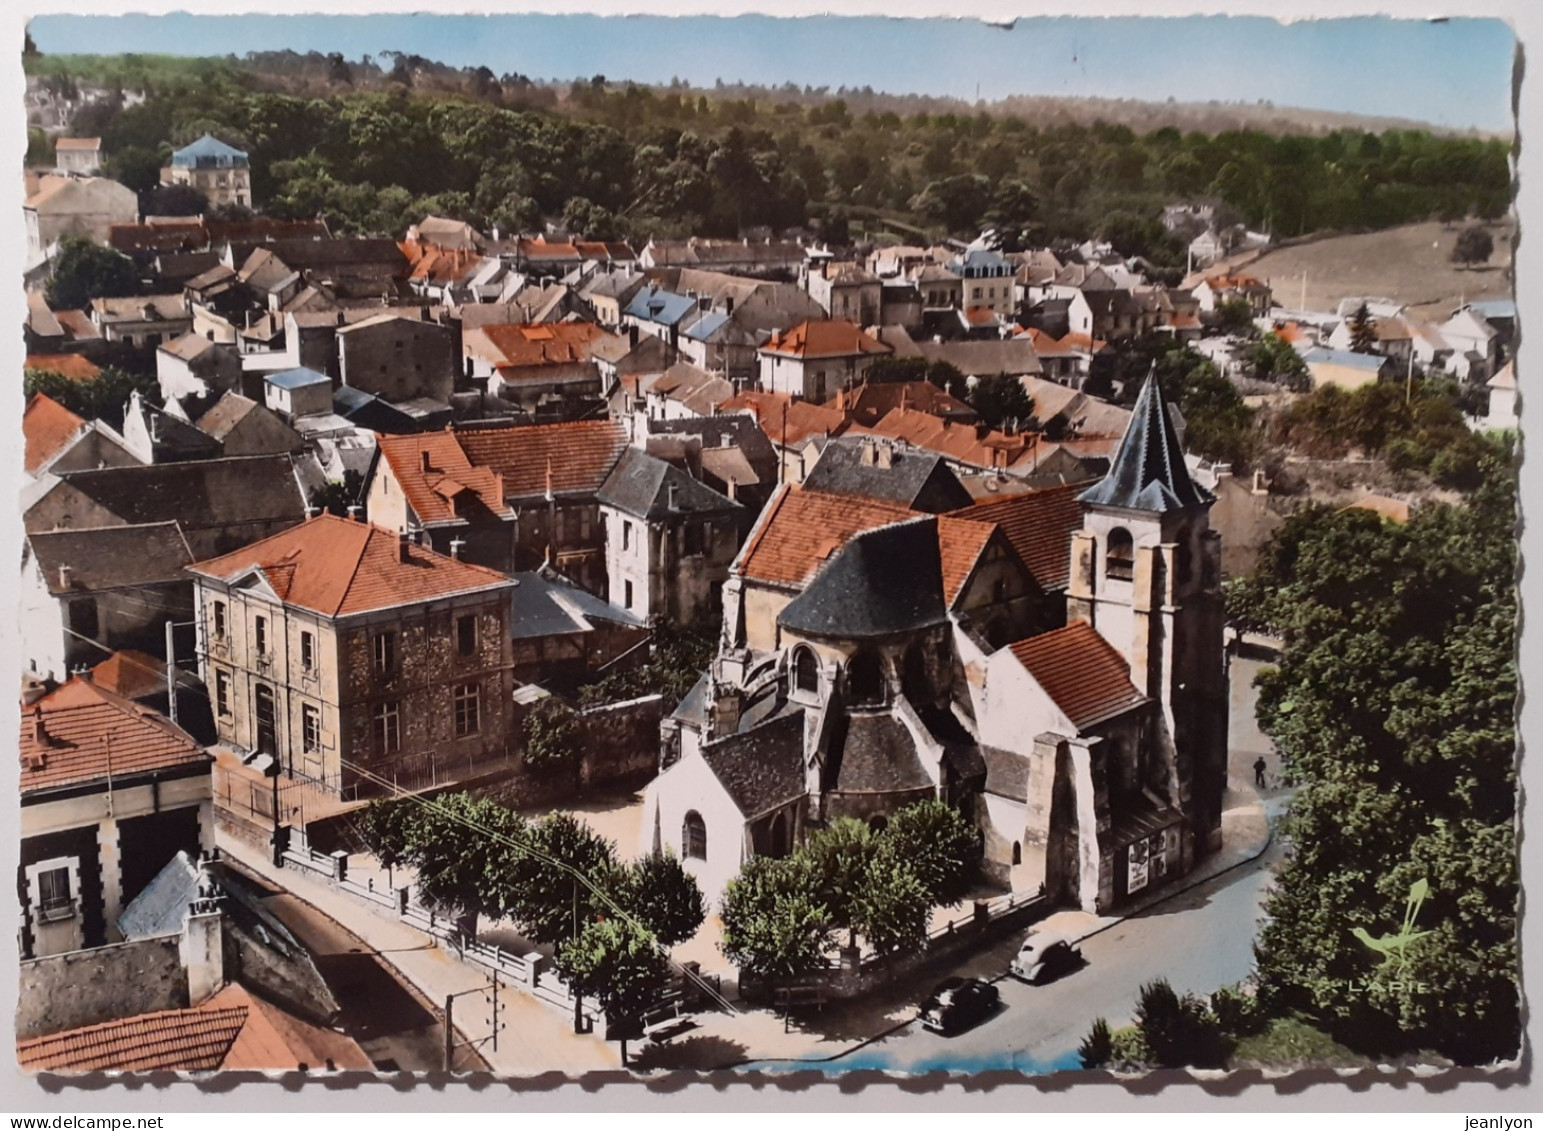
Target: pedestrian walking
(1259, 767)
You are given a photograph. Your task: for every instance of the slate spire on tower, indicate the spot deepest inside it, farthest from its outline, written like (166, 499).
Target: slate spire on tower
(1149, 472)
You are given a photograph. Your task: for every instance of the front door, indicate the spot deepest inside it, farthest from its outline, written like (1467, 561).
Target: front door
(267, 733)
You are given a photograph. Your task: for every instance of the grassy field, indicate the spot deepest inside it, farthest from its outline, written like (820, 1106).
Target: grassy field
(1411, 264)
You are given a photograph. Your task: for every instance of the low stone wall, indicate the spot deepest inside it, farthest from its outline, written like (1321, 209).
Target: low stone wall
(87, 987)
(621, 741)
(845, 982)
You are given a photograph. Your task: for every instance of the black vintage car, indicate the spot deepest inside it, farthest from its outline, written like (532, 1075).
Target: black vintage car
(958, 1003)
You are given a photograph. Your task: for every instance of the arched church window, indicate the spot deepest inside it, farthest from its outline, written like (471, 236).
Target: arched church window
(865, 679)
(806, 670)
(1119, 555)
(693, 837)
(1017, 852)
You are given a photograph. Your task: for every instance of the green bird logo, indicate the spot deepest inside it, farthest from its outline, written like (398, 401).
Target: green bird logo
(1395, 948)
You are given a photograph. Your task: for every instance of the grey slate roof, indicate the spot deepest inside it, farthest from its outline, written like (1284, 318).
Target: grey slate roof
(881, 583)
(640, 484)
(761, 769)
(545, 606)
(734, 430)
(1149, 472)
(874, 753)
(163, 905)
(915, 476)
(112, 557)
(297, 378)
(1007, 773)
(198, 494)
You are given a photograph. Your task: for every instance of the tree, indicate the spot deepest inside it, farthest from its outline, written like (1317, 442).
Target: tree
(552, 735)
(1097, 1048)
(1272, 358)
(462, 847)
(173, 200)
(890, 905)
(838, 859)
(1474, 245)
(620, 965)
(1394, 708)
(664, 897)
(84, 271)
(1001, 399)
(135, 167)
(1234, 316)
(939, 846)
(1363, 331)
(103, 398)
(1178, 1031)
(774, 925)
(565, 879)
(336, 497)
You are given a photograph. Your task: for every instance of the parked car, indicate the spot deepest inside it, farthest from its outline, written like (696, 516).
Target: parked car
(958, 1003)
(1044, 957)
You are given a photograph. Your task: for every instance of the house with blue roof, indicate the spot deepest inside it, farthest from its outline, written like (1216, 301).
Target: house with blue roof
(297, 392)
(220, 171)
(1343, 368)
(660, 313)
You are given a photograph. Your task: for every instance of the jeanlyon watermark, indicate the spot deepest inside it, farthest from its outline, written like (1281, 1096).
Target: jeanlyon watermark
(1497, 1123)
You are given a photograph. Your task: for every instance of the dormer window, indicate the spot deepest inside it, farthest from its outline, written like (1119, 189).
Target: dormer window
(1119, 555)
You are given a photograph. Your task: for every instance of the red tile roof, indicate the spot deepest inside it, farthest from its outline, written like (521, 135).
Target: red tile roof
(432, 492)
(336, 567)
(571, 457)
(130, 673)
(867, 403)
(800, 529)
(89, 734)
(70, 365)
(965, 443)
(834, 338)
(519, 345)
(233, 1031)
(1081, 672)
(1039, 525)
(960, 545)
(801, 420)
(46, 428)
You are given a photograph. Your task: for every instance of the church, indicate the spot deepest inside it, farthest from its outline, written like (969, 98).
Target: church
(1051, 664)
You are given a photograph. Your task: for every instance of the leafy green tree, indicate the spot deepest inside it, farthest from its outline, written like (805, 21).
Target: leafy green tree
(173, 200)
(1000, 399)
(1363, 331)
(564, 880)
(664, 897)
(619, 964)
(553, 735)
(1272, 358)
(1218, 425)
(1394, 709)
(958, 203)
(1178, 1031)
(838, 859)
(1234, 316)
(939, 846)
(774, 924)
(1474, 245)
(890, 906)
(83, 271)
(459, 845)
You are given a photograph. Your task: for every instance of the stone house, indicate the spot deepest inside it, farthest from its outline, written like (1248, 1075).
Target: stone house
(425, 485)
(344, 651)
(64, 207)
(669, 540)
(297, 392)
(87, 593)
(145, 321)
(845, 290)
(109, 793)
(399, 359)
(987, 281)
(221, 172)
(219, 504)
(78, 156)
(535, 364)
(55, 440)
(193, 365)
(814, 359)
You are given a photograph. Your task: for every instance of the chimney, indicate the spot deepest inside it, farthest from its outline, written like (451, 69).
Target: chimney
(868, 457)
(202, 947)
(39, 731)
(403, 541)
(455, 548)
(886, 456)
(64, 576)
(355, 513)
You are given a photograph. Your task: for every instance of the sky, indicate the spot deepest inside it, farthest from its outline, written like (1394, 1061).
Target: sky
(1455, 73)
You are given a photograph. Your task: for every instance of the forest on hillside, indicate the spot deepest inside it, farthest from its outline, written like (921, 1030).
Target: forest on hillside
(373, 144)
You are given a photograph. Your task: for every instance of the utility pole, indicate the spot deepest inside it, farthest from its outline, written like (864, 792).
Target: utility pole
(171, 672)
(449, 1029)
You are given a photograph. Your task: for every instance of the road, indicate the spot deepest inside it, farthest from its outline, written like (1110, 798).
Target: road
(1198, 940)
